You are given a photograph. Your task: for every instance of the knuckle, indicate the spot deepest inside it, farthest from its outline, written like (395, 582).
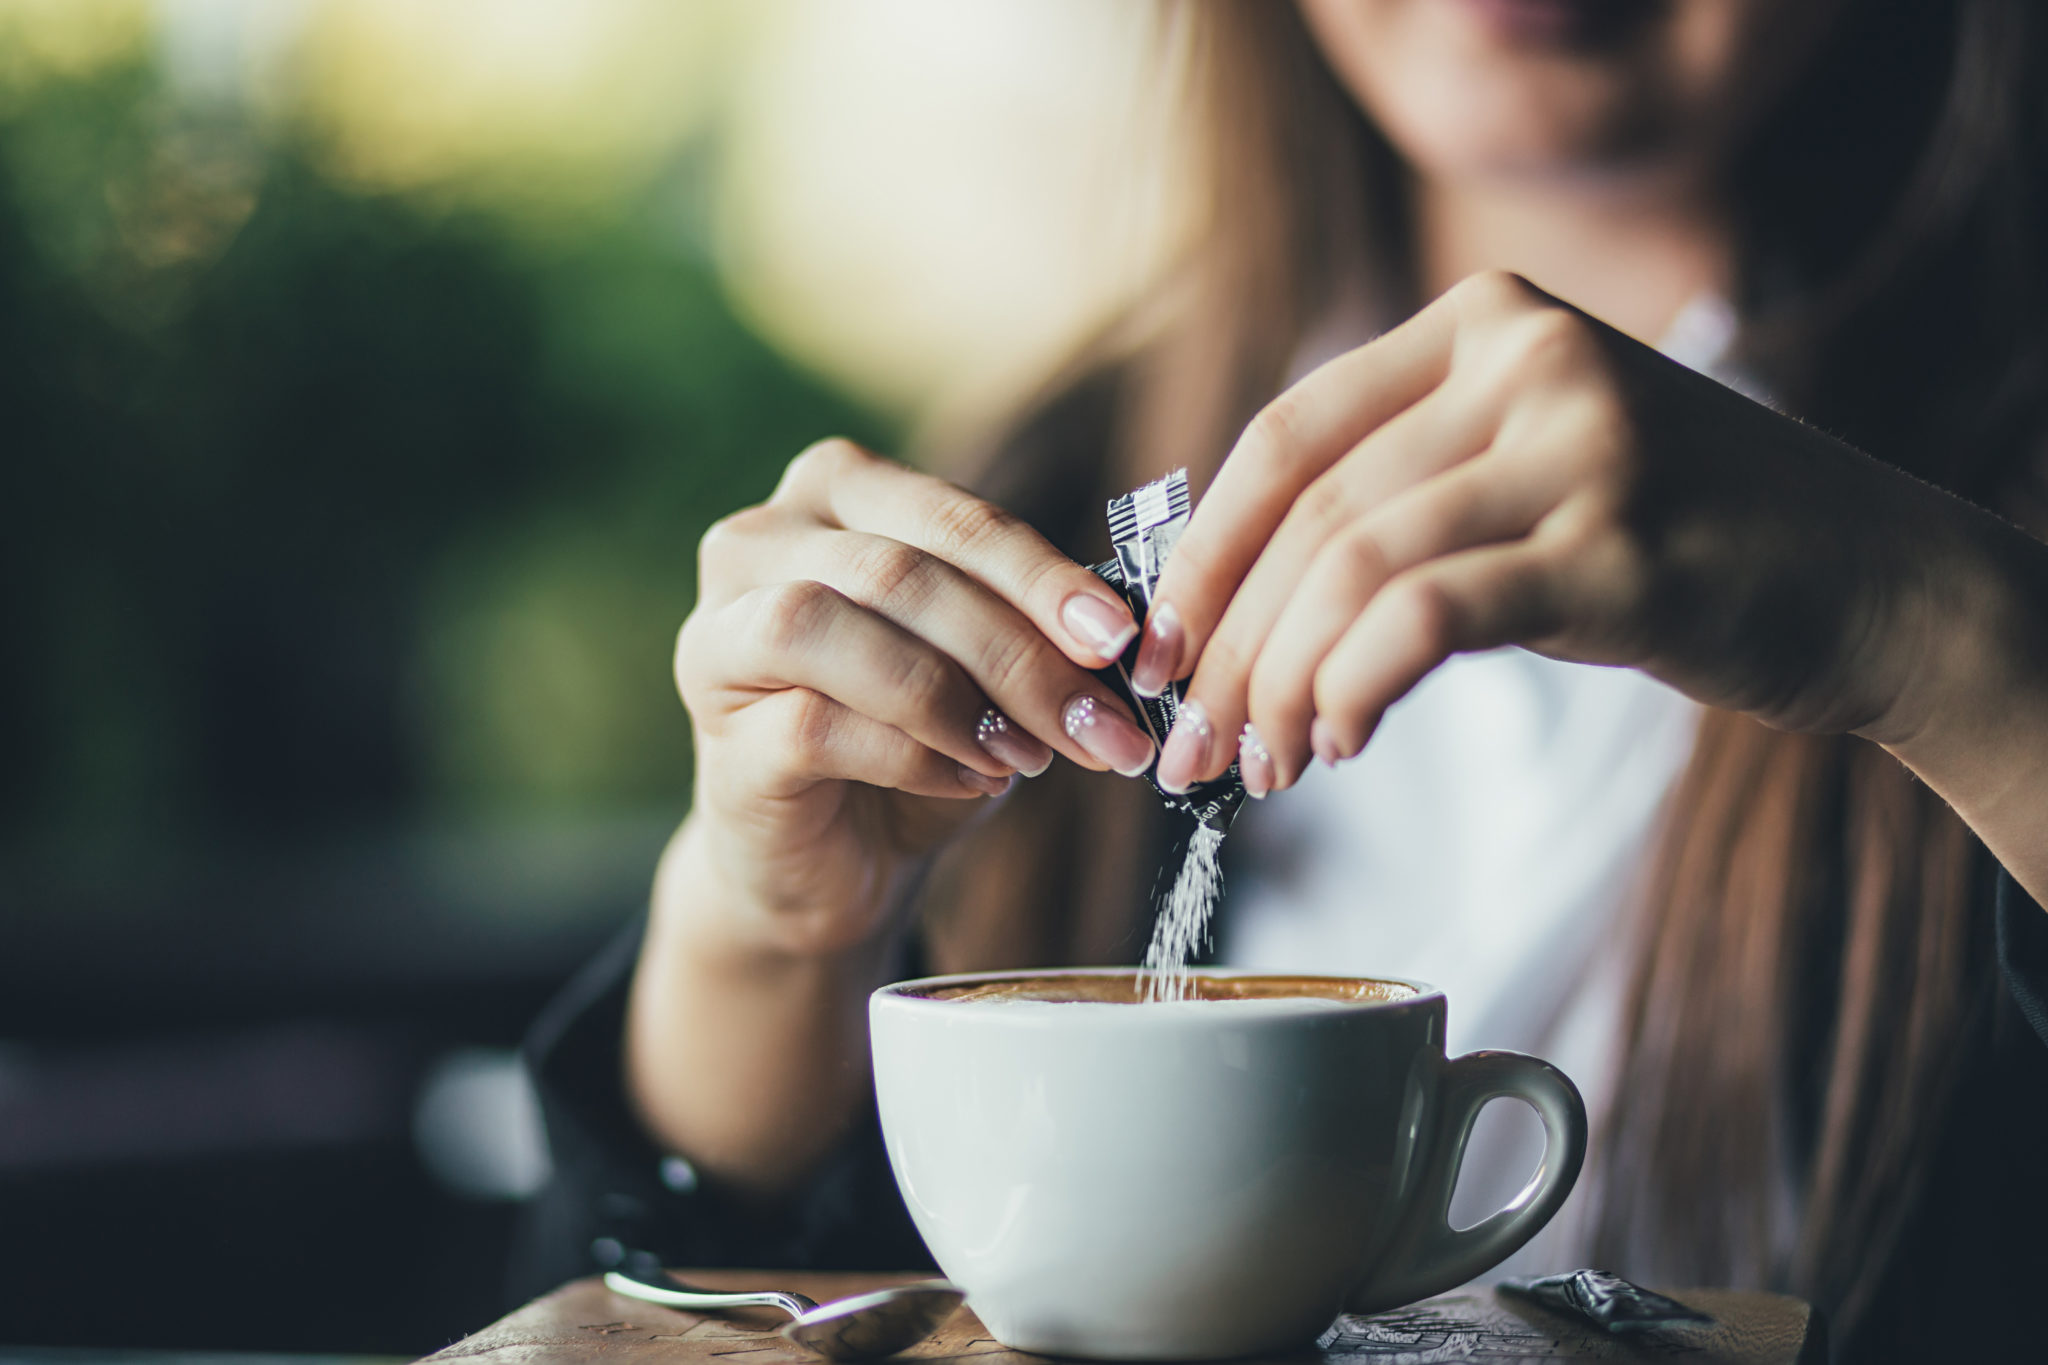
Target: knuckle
(1042, 584)
(716, 544)
(683, 661)
(799, 475)
(722, 539)
(808, 724)
(892, 574)
(1606, 553)
(962, 524)
(819, 463)
(1359, 555)
(1585, 525)
(924, 679)
(1576, 433)
(1008, 661)
(1488, 293)
(703, 662)
(1325, 505)
(1542, 341)
(789, 615)
(1272, 433)
(1427, 612)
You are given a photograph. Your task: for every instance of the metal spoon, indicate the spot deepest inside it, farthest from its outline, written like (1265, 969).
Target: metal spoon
(860, 1327)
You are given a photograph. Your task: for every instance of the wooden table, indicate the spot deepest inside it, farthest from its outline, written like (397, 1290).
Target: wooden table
(585, 1323)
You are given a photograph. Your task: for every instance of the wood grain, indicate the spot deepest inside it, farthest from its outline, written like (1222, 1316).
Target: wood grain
(584, 1322)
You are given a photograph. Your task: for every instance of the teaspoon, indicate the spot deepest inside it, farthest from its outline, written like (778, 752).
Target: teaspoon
(859, 1327)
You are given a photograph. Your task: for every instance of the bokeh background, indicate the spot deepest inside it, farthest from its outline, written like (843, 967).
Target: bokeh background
(368, 372)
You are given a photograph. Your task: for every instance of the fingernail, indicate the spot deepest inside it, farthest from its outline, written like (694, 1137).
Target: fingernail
(1098, 626)
(983, 783)
(1186, 753)
(1107, 736)
(1254, 764)
(1009, 745)
(1323, 740)
(1159, 655)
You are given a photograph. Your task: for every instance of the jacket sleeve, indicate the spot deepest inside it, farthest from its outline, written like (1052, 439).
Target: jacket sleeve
(2023, 952)
(612, 1190)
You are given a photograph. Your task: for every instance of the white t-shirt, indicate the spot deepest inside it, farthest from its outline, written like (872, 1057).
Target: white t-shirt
(1488, 841)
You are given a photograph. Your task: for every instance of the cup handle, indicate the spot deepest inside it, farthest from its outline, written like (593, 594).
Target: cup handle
(1427, 1255)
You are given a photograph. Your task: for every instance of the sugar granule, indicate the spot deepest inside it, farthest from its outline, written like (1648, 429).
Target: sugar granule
(1183, 923)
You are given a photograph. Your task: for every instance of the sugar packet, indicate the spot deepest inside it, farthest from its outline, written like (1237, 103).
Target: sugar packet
(1144, 526)
(1607, 1301)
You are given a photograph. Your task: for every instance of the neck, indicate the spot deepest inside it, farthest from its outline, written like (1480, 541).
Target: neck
(1631, 260)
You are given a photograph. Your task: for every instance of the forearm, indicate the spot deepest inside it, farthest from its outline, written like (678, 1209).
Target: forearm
(746, 1058)
(1973, 724)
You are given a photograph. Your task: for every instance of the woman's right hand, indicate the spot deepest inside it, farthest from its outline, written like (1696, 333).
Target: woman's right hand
(874, 652)
(856, 639)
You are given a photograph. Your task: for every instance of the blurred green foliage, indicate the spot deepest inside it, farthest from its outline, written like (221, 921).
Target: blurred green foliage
(328, 508)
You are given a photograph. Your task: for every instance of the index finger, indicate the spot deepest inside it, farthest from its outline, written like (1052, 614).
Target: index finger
(1074, 609)
(1292, 441)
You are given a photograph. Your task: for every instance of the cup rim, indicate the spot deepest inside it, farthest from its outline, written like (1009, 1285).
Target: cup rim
(908, 991)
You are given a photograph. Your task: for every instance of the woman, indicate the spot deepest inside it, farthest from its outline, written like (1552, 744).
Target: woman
(1808, 1070)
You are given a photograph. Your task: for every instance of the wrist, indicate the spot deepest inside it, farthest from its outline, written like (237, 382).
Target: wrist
(1971, 719)
(744, 1052)
(717, 915)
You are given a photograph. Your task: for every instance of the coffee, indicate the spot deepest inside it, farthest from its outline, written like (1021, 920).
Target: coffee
(1128, 988)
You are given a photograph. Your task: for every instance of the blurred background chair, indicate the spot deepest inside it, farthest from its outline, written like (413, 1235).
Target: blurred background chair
(368, 372)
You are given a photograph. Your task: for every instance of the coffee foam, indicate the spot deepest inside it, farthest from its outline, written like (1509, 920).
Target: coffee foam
(1127, 989)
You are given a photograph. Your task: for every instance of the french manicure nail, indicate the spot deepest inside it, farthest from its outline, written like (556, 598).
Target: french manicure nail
(1323, 740)
(1254, 764)
(1107, 736)
(1159, 655)
(1009, 745)
(1097, 625)
(983, 783)
(1187, 749)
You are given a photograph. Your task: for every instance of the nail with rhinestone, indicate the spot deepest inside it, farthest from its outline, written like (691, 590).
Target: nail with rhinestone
(1007, 743)
(1107, 736)
(1254, 763)
(1186, 753)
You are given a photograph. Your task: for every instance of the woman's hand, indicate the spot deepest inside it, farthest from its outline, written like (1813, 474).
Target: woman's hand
(1505, 470)
(873, 653)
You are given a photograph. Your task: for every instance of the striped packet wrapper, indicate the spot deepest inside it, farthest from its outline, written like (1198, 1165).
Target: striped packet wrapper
(1144, 526)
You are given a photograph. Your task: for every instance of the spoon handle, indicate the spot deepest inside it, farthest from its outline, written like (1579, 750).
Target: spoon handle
(651, 1284)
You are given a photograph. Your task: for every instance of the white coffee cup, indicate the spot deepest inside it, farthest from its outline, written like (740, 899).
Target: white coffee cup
(1197, 1180)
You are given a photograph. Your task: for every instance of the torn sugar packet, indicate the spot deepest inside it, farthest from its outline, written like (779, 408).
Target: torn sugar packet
(1144, 526)
(1607, 1301)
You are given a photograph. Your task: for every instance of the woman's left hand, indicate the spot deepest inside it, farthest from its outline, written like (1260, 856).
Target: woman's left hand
(1503, 469)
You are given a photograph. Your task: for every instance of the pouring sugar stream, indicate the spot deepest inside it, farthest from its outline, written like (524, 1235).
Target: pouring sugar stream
(1144, 526)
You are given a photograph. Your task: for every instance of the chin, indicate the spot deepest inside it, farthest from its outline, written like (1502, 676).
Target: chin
(1463, 118)
(1524, 87)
